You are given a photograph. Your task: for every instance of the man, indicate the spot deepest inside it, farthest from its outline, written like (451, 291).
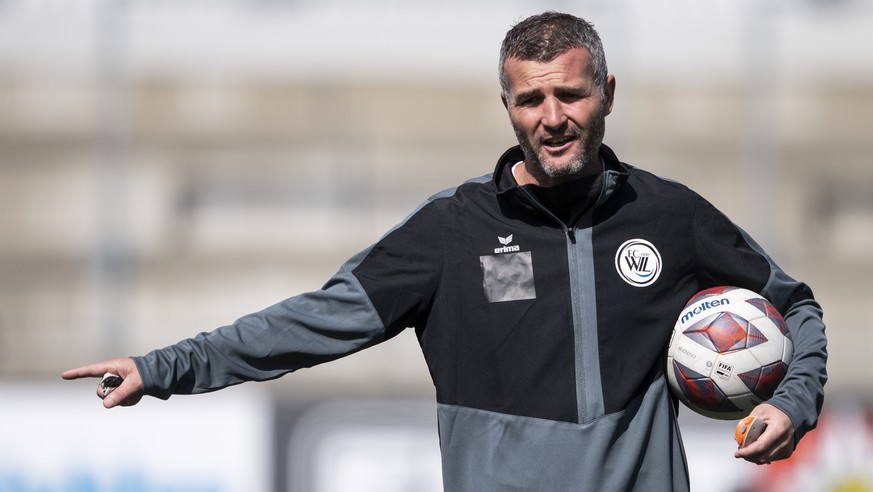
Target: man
(546, 354)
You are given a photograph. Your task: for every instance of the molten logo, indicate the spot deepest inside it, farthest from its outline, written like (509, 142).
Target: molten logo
(638, 262)
(703, 306)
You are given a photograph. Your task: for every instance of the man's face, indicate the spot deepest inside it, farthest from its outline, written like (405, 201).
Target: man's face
(558, 114)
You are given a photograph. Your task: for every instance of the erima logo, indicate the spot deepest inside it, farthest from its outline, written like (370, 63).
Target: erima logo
(638, 262)
(703, 306)
(506, 248)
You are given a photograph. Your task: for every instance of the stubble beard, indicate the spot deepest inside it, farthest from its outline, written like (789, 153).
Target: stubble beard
(585, 156)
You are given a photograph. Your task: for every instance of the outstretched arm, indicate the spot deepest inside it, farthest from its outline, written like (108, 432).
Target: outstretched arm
(127, 394)
(374, 296)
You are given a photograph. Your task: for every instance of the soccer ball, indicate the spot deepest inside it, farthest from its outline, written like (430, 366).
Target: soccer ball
(729, 351)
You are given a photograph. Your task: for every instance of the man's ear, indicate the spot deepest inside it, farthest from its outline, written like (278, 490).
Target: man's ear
(609, 92)
(503, 98)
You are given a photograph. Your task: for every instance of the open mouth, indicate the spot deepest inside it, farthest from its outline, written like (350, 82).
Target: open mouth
(558, 143)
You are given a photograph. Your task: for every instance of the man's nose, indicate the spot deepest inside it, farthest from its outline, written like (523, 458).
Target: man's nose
(553, 113)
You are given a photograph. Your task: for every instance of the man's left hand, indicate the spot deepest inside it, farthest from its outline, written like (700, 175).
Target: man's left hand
(777, 441)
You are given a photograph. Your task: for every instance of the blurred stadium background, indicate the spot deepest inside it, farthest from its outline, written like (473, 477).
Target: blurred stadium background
(167, 166)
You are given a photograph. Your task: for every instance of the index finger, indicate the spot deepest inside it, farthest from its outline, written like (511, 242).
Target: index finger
(89, 371)
(96, 370)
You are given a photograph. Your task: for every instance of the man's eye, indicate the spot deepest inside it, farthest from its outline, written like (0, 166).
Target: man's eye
(570, 96)
(529, 101)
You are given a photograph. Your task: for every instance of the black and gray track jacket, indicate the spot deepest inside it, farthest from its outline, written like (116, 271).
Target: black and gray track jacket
(545, 341)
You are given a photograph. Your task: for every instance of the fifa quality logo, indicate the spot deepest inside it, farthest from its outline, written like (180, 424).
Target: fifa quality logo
(638, 262)
(724, 370)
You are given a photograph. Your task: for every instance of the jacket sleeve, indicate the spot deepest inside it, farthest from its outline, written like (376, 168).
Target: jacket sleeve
(731, 257)
(302, 331)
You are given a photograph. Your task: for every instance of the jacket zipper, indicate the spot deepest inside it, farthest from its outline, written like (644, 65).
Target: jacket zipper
(583, 414)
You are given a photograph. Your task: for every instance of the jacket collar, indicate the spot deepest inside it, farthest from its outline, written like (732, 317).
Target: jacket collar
(614, 170)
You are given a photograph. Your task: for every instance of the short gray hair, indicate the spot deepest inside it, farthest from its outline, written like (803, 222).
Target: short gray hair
(544, 37)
